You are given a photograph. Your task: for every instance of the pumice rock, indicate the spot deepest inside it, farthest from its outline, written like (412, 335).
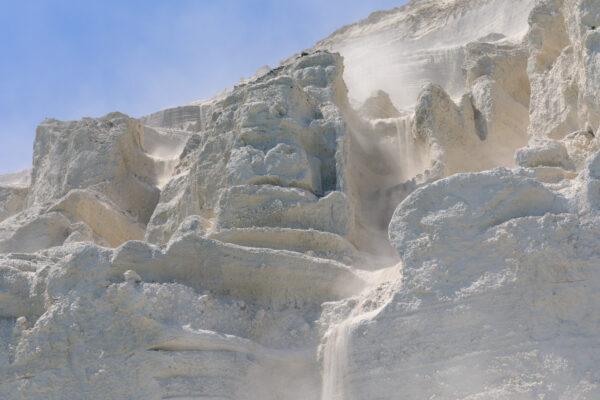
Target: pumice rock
(410, 209)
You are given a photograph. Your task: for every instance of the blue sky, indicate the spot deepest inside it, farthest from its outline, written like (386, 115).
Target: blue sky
(69, 59)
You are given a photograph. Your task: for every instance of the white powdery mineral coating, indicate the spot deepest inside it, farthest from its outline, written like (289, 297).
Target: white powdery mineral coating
(415, 218)
(399, 50)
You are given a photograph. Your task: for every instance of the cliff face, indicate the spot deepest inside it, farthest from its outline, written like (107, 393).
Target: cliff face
(408, 210)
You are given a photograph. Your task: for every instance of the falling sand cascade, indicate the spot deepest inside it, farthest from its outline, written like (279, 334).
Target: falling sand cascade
(409, 209)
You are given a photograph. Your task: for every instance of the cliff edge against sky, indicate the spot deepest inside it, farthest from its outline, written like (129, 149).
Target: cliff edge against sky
(409, 210)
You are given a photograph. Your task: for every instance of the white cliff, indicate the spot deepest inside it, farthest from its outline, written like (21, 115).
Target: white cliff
(409, 210)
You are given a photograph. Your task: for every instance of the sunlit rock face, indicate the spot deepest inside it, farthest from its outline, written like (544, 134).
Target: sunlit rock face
(424, 41)
(408, 210)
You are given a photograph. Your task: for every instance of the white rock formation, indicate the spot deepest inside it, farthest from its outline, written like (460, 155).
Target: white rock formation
(416, 217)
(13, 190)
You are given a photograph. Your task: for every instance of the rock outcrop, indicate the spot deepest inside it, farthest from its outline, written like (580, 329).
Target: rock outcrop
(13, 191)
(411, 209)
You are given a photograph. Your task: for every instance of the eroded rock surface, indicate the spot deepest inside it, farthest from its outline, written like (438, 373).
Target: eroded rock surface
(409, 210)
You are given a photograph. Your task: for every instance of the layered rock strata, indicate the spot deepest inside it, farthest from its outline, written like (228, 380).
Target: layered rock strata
(408, 210)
